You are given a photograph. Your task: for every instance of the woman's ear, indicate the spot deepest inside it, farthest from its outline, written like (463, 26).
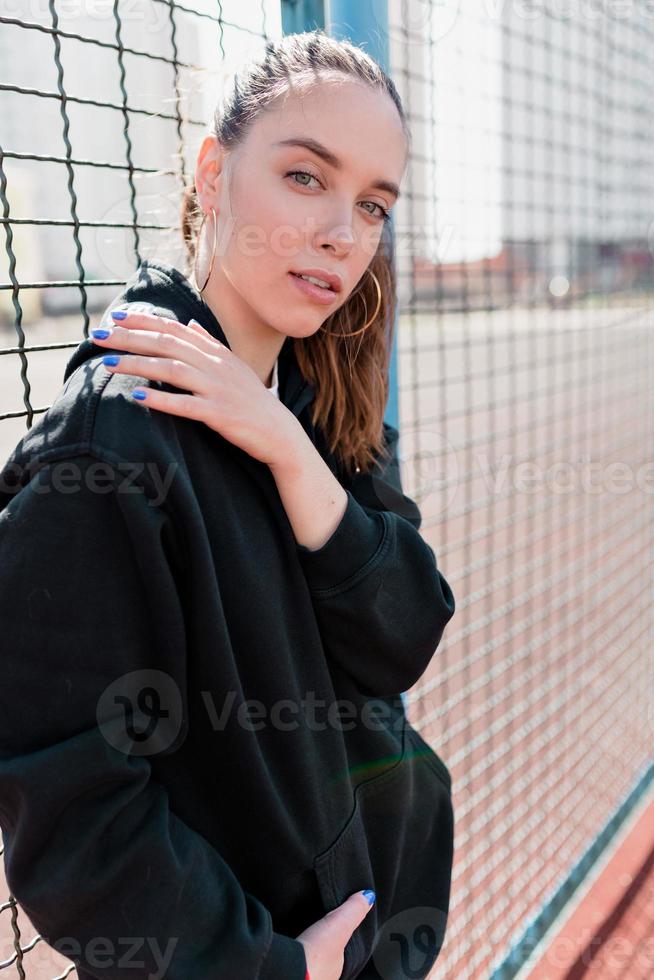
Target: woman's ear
(209, 171)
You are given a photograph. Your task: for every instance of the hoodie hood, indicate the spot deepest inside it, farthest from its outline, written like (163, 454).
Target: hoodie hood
(160, 288)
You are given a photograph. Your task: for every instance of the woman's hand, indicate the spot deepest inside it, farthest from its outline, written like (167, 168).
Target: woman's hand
(226, 394)
(324, 942)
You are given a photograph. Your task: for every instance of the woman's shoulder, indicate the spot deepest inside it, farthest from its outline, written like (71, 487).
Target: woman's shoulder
(93, 415)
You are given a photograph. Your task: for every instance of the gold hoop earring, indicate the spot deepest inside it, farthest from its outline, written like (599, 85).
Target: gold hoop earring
(213, 251)
(333, 333)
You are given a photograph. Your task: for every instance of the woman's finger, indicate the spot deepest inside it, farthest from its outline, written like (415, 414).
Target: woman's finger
(185, 406)
(193, 333)
(140, 340)
(178, 373)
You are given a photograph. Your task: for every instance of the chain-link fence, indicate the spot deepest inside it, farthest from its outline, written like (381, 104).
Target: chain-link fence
(526, 394)
(95, 98)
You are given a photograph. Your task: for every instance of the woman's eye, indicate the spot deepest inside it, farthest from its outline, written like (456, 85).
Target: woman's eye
(381, 213)
(301, 173)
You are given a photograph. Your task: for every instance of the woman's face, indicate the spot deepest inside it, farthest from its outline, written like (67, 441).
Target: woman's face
(282, 208)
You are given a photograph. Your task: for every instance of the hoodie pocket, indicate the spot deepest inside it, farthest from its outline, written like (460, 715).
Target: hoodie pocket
(398, 841)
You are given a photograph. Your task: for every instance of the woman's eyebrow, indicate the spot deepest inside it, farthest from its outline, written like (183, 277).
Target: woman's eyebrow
(320, 150)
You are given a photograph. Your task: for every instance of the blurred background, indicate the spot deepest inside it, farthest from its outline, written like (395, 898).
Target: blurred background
(522, 383)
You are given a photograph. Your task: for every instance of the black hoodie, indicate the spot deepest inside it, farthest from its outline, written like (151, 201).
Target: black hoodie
(203, 748)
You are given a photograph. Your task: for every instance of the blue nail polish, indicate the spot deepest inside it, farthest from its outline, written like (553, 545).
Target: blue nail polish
(119, 314)
(111, 359)
(139, 393)
(101, 333)
(369, 896)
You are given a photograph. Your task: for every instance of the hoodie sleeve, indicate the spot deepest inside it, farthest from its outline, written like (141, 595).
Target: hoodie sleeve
(381, 602)
(106, 871)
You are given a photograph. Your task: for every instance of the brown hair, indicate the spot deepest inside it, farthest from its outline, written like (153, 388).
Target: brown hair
(348, 409)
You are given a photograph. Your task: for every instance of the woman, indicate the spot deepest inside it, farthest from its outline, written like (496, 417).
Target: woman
(213, 597)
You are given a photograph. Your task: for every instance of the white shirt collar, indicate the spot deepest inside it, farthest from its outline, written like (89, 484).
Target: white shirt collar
(275, 380)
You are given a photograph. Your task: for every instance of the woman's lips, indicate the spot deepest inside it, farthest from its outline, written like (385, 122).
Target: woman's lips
(318, 293)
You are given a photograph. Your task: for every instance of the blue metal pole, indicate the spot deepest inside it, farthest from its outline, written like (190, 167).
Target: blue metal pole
(365, 22)
(302, 15)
